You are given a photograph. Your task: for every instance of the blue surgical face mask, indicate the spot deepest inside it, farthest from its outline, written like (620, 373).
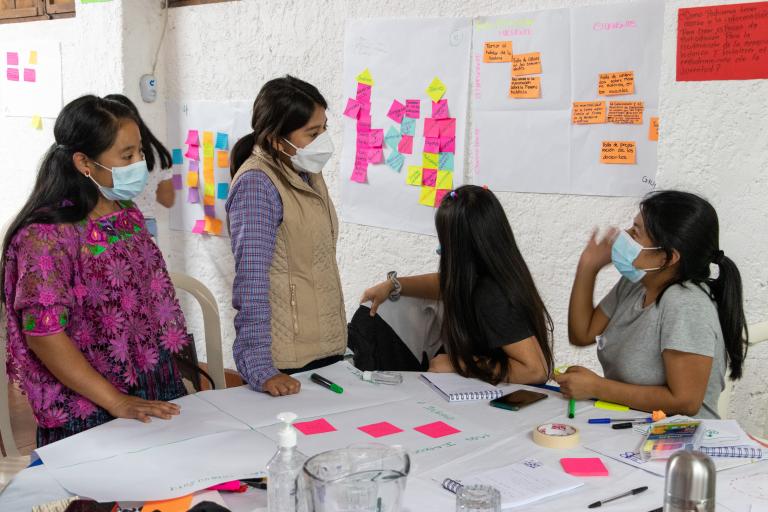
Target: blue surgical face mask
(624, 252)
(127, 181)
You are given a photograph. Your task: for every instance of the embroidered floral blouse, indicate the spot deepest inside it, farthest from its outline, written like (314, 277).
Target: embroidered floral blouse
(104, 283)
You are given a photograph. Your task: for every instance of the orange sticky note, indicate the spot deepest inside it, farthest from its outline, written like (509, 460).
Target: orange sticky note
(223, 159)
(653, 129)
(207, 138)
(497, 51)
(588, 112)
(209, 200)
(212, 225)
(526, 64)
(616, 84)
(525, 87)
(175, 505)
(625, 112)
(192, 179)
(618, 152)
(208, 164)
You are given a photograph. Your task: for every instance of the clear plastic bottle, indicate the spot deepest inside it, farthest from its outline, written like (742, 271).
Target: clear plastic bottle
(390, 378)
(284, 468)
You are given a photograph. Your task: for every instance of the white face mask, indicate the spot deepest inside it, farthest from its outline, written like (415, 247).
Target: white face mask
(313, 157)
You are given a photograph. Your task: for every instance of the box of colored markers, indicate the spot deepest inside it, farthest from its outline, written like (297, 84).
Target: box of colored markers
(664, 439)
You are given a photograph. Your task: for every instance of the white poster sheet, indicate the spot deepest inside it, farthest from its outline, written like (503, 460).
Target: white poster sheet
(30, 84)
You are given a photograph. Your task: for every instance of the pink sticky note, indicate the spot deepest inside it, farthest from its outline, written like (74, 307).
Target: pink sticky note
(584, 466)
(199, 226)
(381, 429)
(12, 74)
(309, 428)
(396, 111)
(376, 138)
(439, 195)
(437, 429)
(193, 153)
(429, 177)
(440, 109)
(193, 138)
(365, 111)
(447, 127)
(375, 155)
(12, 58)
(353, 108)
(447, 144)
(363, 125)
(431, 145)
(361, 157)
(30, 75)
(363, 93)
(412, 108)
(431, 127)
(177, 181)
(359, 175)
(406, 145)
(193, 196)
(233, 486)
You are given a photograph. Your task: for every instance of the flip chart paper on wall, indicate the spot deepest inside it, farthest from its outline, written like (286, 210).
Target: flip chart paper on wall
(437, 47)
(199, 127)
(36, 88)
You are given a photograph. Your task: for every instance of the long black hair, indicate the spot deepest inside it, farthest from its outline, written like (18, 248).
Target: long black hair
(150, 144)
(688, 224)
(476, 241)
(61, 194)
(283, 105)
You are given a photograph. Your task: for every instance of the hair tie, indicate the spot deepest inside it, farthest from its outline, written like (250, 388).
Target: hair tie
(718, 257)
(453, 194)
(62, 147)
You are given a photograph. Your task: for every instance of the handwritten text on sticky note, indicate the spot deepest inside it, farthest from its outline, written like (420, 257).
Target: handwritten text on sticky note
(497, 51)
(616, 84)
(618, 152)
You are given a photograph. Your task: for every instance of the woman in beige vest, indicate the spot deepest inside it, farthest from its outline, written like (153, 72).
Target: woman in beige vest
(287, 291)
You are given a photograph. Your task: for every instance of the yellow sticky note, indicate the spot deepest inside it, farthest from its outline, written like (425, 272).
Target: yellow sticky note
(413, 177)
(37, 122)
(223, 159)
(653, 129)
(430, 160)
(428, 195)
(208, 151)
(192, 179)
(175, 505)
(208, 165)
(365, 77)
(207, 139)
(527, 87)
(444, 180)
(608, 406)
(210, 189)
(526, 64)
(436, 89)
(33, 57)
(618, 152)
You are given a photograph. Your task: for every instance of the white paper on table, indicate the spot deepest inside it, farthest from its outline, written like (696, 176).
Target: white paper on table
(403, 56)
(121, 436)
(21, 97)
(260, 409)
(170, 471)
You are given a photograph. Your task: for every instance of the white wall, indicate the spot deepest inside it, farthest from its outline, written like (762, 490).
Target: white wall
(712, 141)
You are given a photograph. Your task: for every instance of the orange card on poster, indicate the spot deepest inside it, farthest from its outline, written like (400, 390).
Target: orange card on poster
(616, 84)
(618, 152)
(526, 87)
(526, 64)
(653, 129)
(497, 51)
(588, 112)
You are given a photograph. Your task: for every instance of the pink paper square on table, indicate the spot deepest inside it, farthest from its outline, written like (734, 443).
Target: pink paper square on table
(396, 111)
(30, 75)
(309, 428)
(447, 144)
(12, 74)
(380, 429)
(412, 108)
(363, 93)
(439, 195)
(440, 109)
(406, 145)
(12, 58)
(584, 466)
(353, 108)
(431, 145)
(447, 127)
(437, 429)
(431, 127)
(429, 177)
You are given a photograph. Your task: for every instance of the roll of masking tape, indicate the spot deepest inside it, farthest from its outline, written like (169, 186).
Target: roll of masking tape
(556, 435)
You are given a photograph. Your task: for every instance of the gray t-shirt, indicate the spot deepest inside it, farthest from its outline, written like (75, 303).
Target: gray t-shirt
(685, 320)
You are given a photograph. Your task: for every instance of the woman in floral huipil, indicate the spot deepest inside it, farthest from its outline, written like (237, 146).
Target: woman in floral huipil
(92, 318)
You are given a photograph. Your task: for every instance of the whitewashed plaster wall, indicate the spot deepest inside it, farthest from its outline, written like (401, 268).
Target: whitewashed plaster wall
(712, 142)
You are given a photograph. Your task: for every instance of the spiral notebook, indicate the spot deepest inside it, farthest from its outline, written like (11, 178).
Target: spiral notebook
(455, 388)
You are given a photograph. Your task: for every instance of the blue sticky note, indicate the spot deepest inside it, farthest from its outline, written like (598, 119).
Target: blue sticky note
(222, 140)
(446, 162)
(395, 160)
(408, 126)
(223, 190)
(178, 157)
(392, 138)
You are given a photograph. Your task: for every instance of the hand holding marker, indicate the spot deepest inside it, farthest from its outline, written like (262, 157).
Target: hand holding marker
(571, 403)
(317, 379)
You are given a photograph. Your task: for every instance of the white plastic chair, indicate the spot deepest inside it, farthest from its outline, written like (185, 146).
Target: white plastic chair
(211, 324)
(758, 333)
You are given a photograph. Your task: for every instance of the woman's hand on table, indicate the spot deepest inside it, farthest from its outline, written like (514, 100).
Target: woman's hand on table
(135, 408)
(282, 384)
(579, 383)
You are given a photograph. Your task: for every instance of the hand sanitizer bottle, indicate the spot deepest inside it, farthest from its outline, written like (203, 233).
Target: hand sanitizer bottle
(284, 468)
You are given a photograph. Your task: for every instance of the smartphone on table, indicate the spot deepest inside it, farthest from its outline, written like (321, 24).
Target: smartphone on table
(517, 399)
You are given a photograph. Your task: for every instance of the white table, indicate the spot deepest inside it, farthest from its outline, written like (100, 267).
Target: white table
(36, 485)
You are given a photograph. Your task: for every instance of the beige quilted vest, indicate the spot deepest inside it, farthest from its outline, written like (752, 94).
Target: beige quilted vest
(308, 318)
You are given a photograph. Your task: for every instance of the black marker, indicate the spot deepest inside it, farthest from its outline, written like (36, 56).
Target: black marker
(317, 379)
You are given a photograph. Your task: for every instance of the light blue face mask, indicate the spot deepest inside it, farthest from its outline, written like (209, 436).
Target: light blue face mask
(127, 181)
(624, 252)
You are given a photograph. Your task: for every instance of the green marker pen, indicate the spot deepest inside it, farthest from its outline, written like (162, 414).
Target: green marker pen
(571, 408)
(317, 379)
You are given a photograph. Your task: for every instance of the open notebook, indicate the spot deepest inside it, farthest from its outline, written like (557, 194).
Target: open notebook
(456, 388)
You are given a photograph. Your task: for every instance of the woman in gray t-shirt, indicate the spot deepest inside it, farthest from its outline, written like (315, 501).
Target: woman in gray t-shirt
(667, 330)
